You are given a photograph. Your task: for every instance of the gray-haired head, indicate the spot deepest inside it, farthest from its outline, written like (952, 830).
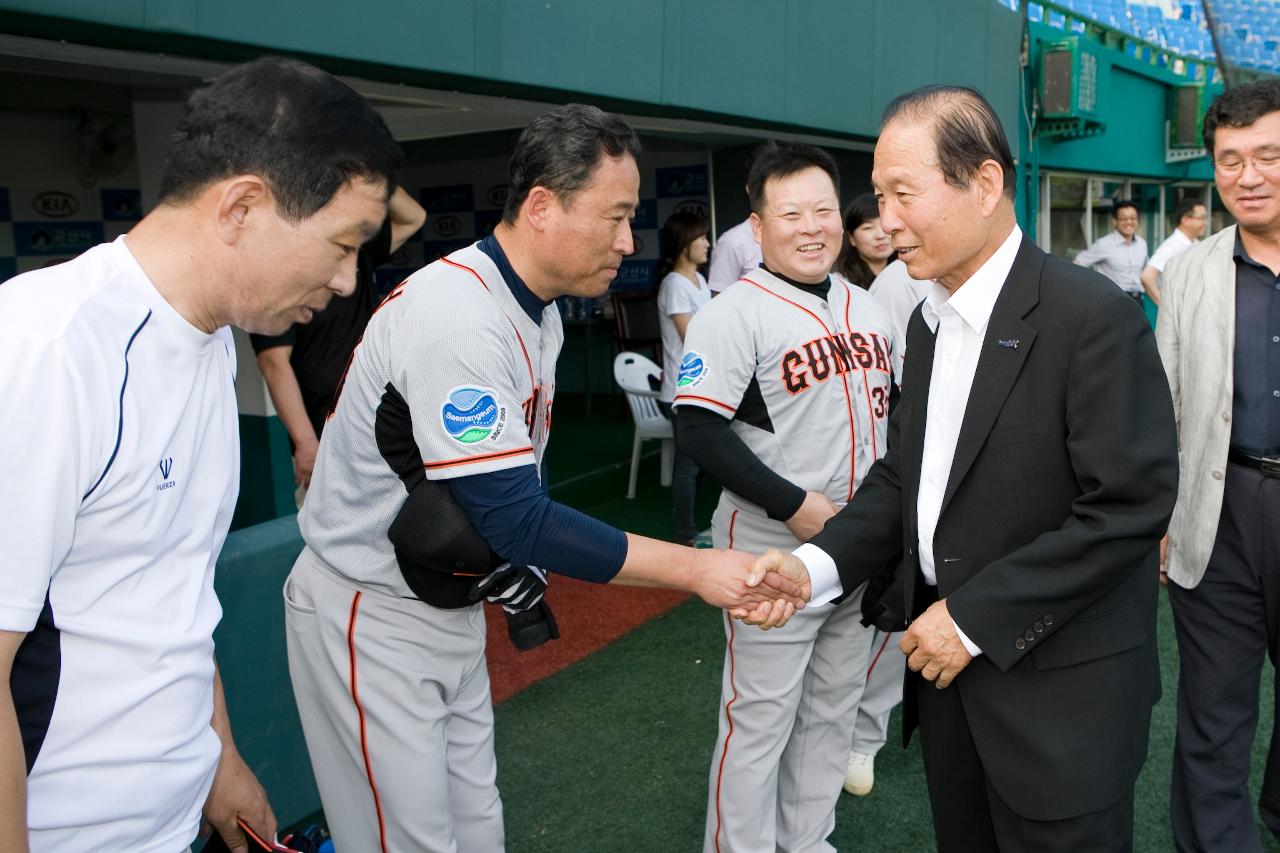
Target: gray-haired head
(966, 132)
(560, 150)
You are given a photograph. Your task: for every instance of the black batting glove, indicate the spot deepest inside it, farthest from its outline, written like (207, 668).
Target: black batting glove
(516, 588)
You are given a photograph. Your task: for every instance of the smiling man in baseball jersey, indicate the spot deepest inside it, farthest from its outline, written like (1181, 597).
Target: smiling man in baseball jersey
(783, 396)
(430, 468)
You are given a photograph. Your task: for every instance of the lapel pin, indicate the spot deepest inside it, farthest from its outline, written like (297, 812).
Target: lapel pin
(1012, 343)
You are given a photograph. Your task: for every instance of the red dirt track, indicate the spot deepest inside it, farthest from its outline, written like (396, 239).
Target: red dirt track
(589, 616)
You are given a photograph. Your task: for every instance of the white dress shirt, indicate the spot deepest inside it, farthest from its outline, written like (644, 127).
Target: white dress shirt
(960, 322)
(1174, 245)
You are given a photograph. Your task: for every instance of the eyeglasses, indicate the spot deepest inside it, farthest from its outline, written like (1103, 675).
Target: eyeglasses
(1267, 164)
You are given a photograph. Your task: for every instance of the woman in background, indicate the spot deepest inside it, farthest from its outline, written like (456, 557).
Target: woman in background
(867, 250)
(681, 292)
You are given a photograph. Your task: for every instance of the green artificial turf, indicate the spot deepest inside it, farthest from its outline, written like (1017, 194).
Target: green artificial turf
(613, 753)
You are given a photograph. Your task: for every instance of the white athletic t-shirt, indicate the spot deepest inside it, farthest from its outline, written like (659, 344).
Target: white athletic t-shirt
(451, 363)
(119, 447)
(1175, 244)
(676, 295)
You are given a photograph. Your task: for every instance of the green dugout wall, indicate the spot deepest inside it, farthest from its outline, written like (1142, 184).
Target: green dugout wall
(822, 65)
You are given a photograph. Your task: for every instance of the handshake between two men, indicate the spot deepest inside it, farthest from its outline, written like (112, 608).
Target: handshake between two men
(782, 585)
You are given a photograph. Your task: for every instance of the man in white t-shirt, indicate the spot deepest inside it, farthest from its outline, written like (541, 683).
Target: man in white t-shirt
(117, 371)
(1193, 220)
(737, 252)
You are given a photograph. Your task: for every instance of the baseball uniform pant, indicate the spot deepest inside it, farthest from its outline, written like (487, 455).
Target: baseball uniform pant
(883, 692)
(394, 700)
(1225, 627)
(788, 698)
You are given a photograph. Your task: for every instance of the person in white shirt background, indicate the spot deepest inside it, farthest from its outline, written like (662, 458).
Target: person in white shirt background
(681, 292)
(1192, 221)
(736, 253)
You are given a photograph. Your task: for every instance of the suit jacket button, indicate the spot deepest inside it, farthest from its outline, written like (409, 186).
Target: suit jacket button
(1019, 644)
(1030, 635)
(1048, 620)
(1039, 626)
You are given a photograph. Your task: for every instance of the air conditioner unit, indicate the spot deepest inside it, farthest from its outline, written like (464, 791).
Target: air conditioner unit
(1069, 79)
(1186, 116)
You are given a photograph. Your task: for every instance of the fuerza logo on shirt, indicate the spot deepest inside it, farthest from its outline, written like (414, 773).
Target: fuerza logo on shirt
(166, 468)
(693, 369)
(473, 414)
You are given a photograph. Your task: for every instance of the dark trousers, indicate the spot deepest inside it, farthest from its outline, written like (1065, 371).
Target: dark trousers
(968, 815)
(684, 488)
(1225, 627)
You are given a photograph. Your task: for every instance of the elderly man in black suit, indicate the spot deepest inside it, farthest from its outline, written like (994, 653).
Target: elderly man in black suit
(1031, 472)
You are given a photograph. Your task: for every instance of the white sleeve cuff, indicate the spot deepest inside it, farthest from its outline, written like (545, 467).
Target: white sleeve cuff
(964, 638)
(822, 573)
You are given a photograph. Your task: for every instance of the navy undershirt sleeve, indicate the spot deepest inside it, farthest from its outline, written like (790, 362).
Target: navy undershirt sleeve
(706, 438)
(513, 513)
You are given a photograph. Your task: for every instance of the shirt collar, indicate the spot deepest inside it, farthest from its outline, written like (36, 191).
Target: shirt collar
(527, 299)
(976, 298)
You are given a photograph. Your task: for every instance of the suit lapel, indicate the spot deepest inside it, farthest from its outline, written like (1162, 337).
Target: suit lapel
(998, 365)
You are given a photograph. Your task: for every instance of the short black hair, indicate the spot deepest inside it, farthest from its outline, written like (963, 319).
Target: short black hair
(300, 129)
(1241, 106)
(1185, 208)
(560, 150)
(966, 132)
(781, 159)
(1121, 204)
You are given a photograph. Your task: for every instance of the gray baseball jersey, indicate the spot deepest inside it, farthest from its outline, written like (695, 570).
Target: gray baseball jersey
(452, 375)
(806, 382)
(450, 366)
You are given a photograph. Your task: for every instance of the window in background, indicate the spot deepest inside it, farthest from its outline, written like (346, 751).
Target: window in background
(1066, 215)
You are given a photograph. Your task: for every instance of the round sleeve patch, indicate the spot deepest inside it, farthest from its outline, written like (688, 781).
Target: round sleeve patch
(693, 369)
(473, 414)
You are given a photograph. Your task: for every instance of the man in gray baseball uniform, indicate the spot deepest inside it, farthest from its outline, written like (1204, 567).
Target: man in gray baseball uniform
(783, 396)
(427, 496)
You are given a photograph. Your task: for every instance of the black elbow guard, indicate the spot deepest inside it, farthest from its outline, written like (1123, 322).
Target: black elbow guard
(440, 552)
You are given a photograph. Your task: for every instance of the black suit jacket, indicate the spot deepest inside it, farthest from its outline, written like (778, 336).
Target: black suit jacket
(1046, 548)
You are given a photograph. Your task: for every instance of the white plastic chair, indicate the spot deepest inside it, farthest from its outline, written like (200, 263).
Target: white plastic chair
(632, 372)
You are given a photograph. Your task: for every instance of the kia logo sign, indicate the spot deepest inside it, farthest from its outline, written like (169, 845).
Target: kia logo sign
(56, 205)
(446, 226)
(697, 208)
(497, 195)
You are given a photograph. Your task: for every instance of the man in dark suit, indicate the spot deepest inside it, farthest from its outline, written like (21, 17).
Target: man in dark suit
(1031, 471)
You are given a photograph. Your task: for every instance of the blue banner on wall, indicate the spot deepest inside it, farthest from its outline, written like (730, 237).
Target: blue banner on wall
(55, 238)
(646, 215)
(454, 199)
(122, 205)
(679, 181)
(635, 275)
